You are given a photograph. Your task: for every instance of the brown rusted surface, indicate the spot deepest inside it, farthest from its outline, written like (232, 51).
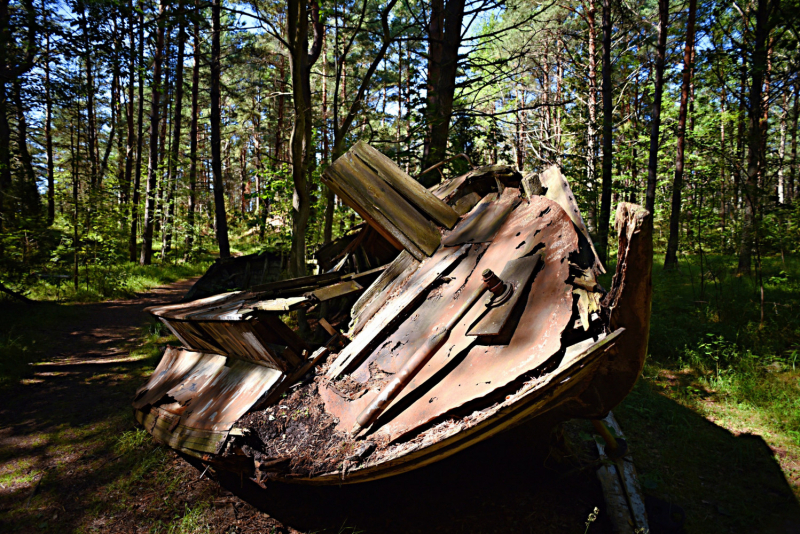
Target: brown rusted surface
(192, 398)
(628, 306)
(559, 191)
(397, 309)
(548, 348)
(482, 223)
(515, 275)
(482, 181)
(460, 373)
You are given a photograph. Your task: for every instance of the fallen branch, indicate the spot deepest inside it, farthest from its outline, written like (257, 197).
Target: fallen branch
(18, 296)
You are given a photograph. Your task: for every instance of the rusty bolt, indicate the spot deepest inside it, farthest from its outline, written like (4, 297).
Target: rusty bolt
(492, 282)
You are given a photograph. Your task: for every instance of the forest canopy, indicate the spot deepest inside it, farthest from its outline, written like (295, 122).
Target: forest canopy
(137, 131)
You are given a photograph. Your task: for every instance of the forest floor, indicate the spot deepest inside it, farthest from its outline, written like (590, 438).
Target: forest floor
(72, 460)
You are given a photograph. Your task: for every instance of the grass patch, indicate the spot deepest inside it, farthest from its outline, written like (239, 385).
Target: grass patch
(102, 282)
(713, 358)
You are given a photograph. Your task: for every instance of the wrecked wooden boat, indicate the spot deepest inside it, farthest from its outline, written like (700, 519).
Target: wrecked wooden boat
(489, 317)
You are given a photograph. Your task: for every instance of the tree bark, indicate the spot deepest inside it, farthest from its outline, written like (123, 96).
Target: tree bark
(755, 156)
(132, 248)
(655, 128)
(792, 185)
(48, 133)
(172, 164)
(146, 255)
(444, 40)
(782, 148)
(591, 126)
(608, 109)
(130, 154)
(91, 126)
(671, 257)
(193, 134)
(22, 146)
(330, 197)
(216, 154)
(301, 60)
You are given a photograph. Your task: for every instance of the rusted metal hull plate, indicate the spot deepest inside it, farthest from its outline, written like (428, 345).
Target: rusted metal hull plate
(196, 395)
(516, 274)
(537, 396)
(407, 295)
(482, 223)
(462, 371)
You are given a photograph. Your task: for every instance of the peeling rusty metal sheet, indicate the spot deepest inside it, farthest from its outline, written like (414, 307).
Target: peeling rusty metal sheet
(440, 303)
(394, 310)
(482, 223)
(387, 283)
(263, 340)
(517, 273)
(193, 399)
(461, 371)
(559, 191)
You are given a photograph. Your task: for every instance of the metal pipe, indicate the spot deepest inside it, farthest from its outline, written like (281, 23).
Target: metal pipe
(611, 442)
(422, 355)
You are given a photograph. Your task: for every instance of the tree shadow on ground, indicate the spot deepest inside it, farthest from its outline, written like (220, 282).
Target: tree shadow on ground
(516, 483)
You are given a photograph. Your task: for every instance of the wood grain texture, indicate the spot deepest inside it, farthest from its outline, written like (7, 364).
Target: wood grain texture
(404, 184)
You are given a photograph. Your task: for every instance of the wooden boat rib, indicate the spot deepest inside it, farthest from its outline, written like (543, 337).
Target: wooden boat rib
(438, 364)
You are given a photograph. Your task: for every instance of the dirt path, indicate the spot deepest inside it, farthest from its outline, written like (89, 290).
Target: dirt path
(71, 460)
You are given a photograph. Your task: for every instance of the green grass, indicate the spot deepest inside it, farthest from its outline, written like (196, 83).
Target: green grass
(125, 280)
(713, 359)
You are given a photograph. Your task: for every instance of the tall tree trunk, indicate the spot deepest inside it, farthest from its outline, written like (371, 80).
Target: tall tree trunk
(172, 164)
(444, 40)
(608, 110)
(115, 98)
(91, 126)
(164, 142)
(755, 155)
(10, 73)
(330, 197)
(301, 143)
(216, 135)
(244, 181)
(48, 133)
(591, 126)
(792, 185)
(132, 248)
(130, 154)
(29, 193)
(281, 104)
(146, 255)
(655, 128)
(782, 148)
(671, 257)
(190, 208)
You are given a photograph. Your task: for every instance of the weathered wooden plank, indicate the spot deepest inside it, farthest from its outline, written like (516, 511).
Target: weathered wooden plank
(399, 269)
(279, 304)
(389, 315)
(336, 290)
(381, 198)
(314, 280)
(374, 218)
(404, 184)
